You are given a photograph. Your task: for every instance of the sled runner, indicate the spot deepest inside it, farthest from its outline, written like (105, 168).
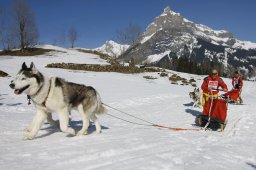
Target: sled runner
(214, 115)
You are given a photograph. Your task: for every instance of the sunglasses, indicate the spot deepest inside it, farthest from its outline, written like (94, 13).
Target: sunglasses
(214, 74)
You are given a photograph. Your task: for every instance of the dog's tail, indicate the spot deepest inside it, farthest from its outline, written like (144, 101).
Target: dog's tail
(100, 108)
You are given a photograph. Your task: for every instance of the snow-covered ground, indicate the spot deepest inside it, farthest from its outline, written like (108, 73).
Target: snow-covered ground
(121, 145)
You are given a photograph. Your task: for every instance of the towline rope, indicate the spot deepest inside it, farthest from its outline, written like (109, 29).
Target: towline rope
(148, 122)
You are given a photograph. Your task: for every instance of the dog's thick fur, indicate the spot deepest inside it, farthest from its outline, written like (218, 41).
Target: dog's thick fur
(59, 96)
(196, 97)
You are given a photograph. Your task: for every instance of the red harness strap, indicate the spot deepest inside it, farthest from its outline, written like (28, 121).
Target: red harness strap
(176, 129)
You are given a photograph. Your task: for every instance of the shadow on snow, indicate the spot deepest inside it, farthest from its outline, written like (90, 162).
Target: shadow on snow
(76, 125)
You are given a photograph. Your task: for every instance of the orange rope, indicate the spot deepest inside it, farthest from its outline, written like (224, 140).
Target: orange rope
(176, 129)
(150, 123)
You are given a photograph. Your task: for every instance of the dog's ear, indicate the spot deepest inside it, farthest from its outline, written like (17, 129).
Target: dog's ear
(24, 66)
(33, 67)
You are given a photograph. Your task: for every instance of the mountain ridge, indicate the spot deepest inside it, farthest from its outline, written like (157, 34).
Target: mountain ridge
(112, 48)
(170, 34)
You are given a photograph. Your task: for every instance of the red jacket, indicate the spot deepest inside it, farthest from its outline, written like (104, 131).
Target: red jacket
(237, 83)
(214, 84)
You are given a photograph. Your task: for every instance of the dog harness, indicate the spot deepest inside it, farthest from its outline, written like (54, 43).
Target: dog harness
(47, 94)
(43, 103)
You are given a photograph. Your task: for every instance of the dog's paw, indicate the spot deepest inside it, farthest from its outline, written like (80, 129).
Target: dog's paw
(71, 131)
(28, 137)
(81, 132)
(27, 129)
(98, 131)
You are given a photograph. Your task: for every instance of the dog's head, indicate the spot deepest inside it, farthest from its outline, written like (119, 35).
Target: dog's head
(27, 80)
(195, 93)
(192, 95)
(196, 89)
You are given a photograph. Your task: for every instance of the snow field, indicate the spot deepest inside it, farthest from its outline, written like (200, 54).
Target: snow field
(122, 145)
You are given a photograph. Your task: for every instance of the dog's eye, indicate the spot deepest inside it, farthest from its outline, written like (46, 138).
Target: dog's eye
(23, 79)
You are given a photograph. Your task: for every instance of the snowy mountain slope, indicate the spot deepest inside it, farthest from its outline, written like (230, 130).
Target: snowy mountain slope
(112, 48)
(122, 145)
(171, 35)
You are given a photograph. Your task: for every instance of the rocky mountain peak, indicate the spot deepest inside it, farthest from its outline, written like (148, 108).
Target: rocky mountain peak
(168, 19)
(171, 36)
(168, 11)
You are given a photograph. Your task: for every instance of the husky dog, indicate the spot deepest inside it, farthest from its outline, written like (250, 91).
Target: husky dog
(57, 95)
(196, 97)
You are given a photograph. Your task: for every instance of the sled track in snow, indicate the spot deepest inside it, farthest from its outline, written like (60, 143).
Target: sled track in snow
(233, 130)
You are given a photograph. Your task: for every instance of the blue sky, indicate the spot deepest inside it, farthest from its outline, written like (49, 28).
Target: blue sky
(97, 21)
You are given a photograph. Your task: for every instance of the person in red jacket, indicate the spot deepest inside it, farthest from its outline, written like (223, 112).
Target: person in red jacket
(211, 86)
(237, 83)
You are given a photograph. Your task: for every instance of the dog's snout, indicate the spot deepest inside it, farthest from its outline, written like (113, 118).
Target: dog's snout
(12, 85)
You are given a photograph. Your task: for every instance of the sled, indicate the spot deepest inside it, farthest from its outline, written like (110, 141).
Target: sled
(233, 96)
(214, 112)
